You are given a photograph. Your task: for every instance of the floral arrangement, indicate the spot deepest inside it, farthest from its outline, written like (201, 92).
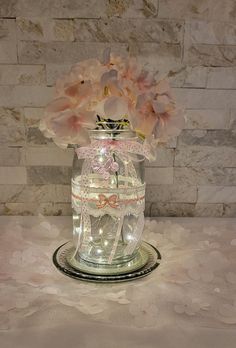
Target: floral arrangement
(114, 89)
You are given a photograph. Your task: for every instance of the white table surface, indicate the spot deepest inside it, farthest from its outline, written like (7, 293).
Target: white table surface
(188, 301)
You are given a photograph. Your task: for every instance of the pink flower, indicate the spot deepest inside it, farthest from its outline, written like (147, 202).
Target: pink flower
(145, 118)
(157, 113)
(90, 69)
(78, 91)
(162, 87)
(110, 84)
(116, 62)
(169, 125)
(141, 79)
(113, 88)
(113, 108)
(58, 105)
(67, 125)
(145, 81)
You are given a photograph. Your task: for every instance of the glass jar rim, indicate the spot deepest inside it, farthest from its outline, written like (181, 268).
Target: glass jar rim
(125, 133)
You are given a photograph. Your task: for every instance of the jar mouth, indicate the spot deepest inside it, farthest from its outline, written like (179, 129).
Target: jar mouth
(103, 134)
(112, 124)
(108, 128)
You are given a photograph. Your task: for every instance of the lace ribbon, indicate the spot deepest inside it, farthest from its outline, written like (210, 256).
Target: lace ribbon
(125, 150)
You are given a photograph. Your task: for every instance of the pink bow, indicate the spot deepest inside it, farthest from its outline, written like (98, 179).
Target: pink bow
(111, 201)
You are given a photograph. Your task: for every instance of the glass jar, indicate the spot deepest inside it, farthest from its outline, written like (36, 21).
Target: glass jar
(108, 199)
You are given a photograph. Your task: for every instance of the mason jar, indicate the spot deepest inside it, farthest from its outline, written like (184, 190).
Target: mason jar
(108, 200)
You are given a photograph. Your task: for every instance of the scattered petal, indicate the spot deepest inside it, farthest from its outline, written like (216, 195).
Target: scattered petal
(231, 277)
(233, 242)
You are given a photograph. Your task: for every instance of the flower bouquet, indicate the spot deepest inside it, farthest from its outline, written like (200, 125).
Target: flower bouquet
(111, 89)
(114, 113)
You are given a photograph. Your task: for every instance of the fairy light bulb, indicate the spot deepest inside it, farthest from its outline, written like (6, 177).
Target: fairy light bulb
(129, 237)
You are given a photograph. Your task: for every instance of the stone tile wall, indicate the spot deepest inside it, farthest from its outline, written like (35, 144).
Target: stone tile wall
(191, 41)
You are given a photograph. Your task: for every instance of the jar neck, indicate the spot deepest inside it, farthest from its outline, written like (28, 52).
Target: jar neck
(114, 134)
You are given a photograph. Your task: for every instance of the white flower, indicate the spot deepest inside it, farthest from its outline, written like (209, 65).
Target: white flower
(211, 231)
(233, 242)
(190, 306)
(231, 277)
(204, 266)
(227, 313)
(145, 312)
(205, 244)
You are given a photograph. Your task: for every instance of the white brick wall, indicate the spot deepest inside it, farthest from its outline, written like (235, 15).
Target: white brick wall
(192, 42)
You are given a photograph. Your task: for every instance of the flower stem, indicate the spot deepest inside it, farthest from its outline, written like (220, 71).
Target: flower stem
(117, 186)
(116, 173)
